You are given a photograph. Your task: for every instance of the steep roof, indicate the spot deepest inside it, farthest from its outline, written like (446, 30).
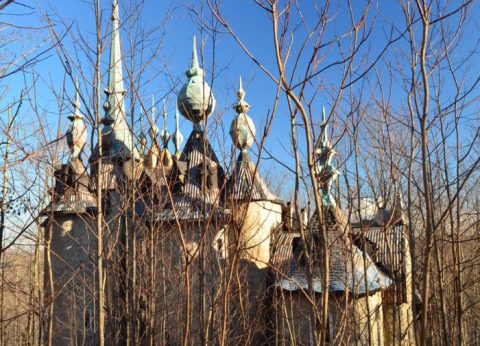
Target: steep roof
(195, 182)
(245, 182)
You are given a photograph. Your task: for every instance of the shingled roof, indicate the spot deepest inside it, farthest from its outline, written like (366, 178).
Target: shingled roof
(246, 184)
(197, 165)
(350, 269)
(71, 195)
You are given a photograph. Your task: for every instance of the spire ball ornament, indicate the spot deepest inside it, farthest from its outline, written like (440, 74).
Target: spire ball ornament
(242, 129)
(195, 100)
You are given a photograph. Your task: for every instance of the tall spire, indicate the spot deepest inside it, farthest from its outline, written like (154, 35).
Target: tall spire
(119, 140)
(142, 138)
(77, 132)
(165, 135)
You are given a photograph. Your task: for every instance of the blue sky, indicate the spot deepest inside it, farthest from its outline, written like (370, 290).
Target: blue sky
(181, 23)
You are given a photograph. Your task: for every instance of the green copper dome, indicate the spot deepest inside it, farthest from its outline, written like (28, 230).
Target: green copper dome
(195, 100)
(242, 129)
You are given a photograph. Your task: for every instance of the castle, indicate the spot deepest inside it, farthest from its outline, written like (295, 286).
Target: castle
(195, 250)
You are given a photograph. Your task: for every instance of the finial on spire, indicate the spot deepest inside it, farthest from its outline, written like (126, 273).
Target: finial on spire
(165, 135)
(177, 136)
(326, 172)
(324, 142)
(76, 112)
(242, 129)
(142, 138)
(77, 94)
(153, 132)
(77, 132)
(241, 106)
(195, 63)
(241, 92)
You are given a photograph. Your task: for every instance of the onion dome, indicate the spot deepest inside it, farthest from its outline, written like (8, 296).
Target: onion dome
(77, 132)
(177, 136)
(242, 129)
(195, 100)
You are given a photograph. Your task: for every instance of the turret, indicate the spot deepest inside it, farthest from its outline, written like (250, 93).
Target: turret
(68, 224)
(257, 211)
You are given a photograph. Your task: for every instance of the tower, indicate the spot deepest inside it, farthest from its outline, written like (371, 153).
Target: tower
(256, 210)
(69, 228)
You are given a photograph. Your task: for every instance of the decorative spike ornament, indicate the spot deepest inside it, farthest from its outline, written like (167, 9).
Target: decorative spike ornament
(77, 132)
(195, 100)
(177, 136)
(326, 172)
(153, 132)
(165, 135)
(242, 129)
(142, 138)
(154, 152)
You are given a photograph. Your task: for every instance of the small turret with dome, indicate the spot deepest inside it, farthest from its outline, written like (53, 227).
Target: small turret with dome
(195, 100)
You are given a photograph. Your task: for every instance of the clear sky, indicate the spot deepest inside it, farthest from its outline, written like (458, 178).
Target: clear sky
(176, 22)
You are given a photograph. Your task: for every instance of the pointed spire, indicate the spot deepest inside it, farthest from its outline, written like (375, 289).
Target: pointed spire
(118, 138)
(242, 129)
(195, 63)
(154, 152)
(76, 112)
(115, 73)
(153, 132)
(326, 172)
(323, 127)
(177, 136)
(241, 106)
(165, 135)
(142, 138)
(77, 132)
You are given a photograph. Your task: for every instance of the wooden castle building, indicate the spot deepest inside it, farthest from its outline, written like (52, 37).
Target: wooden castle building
(189, 243)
